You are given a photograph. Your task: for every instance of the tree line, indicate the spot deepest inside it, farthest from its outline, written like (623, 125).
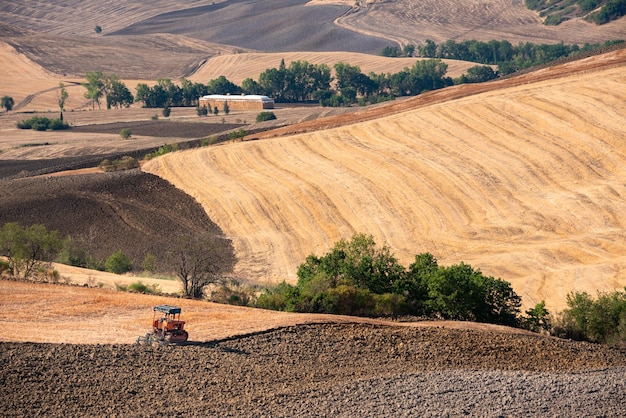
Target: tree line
(508, 57)
(357, 277)
(197, 261)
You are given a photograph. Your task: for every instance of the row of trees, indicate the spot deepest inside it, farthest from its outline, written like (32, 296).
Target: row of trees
(508, 57)
(358, 278)
(196, 260)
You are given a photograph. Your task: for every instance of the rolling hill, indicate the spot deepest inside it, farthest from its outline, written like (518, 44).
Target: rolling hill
(524, 182)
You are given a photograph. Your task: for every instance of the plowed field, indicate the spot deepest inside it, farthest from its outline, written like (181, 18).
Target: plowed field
(526, 183)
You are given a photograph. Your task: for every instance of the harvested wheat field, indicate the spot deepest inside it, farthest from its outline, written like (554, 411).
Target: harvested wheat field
(413, 21)
(238, 67)
(525, 183)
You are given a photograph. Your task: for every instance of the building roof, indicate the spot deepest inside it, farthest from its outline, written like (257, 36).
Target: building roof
(239, 98)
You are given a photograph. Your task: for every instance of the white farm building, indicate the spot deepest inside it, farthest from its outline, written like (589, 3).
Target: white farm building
(243, 102)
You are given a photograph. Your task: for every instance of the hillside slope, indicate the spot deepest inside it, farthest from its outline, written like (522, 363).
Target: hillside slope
(525, 183)
(237, 67)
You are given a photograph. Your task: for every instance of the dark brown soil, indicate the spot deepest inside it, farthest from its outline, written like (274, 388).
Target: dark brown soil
(131, 211)
(319, 370)
(159, 129)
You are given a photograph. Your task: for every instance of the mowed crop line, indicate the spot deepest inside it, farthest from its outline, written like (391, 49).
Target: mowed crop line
(525, 183)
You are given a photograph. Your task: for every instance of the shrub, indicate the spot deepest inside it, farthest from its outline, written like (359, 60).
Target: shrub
(166, 111)
(202, 110)
(42, 124)
(125, 133)
(139, 287)
(164, 149)
(601, 320)
(264, 116)
(149, 263)
(118, 263)
(124, 163)
(239, 133)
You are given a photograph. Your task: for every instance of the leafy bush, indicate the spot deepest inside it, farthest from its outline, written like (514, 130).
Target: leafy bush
(202, 110)
(118, 263)
(164, 149)
(124, 163)
(265, 116)
(166, 111)
(239, 133)
(27, 249)
(358, 278)
(601, 320)
(139, 287)
(125, 133)
(42, 124)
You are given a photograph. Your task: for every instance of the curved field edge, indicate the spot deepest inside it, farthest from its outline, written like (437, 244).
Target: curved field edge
(76, 314)
(525, 182)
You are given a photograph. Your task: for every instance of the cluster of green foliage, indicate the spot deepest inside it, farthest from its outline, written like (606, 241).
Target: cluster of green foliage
(612, 9)
(164, 149)
(265, 116)
(166, 93)
(139, 287)
(239, 133)
(555, 11)
(126, 133)
(358, 278)
(118, 263)
(601, 320)
(7, 102)
(100, 85)
(42, 123)
(394, 51)
(124, 163)
(27, 249)
(508, 57)
(74, 253)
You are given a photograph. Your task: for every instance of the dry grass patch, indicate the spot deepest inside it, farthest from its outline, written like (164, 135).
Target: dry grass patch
(525, 183)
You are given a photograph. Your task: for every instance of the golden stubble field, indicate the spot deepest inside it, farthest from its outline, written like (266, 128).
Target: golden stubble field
(525, 183)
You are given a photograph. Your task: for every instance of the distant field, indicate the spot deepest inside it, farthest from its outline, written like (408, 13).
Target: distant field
(525, 183)
(237, 67)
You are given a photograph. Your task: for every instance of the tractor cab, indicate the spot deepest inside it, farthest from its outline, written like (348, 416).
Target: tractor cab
(167, 327)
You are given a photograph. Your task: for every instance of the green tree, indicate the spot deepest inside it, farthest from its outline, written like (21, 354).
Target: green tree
(358, 262)
(222, 85)
(26, 249)
(98, 29)
(538, 318)
(408, 50)
(7, 102)
(226, 108)
(479, 74)
(62, 97)
(125, 133)
(118, 263)
(264, 116)
(95, 87)
(390, 51)
(117, 94)
(429, 50)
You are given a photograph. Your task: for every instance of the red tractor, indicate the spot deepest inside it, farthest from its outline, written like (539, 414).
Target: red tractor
(167, 327)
